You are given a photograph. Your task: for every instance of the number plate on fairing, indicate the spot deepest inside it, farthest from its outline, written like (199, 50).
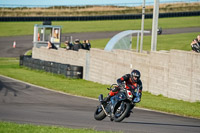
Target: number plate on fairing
(129, 94)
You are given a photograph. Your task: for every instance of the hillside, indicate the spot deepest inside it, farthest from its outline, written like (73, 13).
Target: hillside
(94, 10)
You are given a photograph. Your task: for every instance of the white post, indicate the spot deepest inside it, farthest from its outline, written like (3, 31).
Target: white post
(142, 26)
(71, 39)
(155, 25)
(138, 37)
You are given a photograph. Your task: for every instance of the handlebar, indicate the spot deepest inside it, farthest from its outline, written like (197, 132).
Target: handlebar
(108, 89)
(112, 86)
(123, 88)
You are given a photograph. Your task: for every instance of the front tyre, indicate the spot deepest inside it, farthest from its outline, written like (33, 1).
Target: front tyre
(99, 114)
(121, 111)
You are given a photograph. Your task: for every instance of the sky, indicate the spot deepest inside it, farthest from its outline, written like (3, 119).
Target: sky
(76, 2)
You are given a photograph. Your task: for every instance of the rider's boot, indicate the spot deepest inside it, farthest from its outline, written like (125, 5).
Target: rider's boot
(132, 106)
(112, 117)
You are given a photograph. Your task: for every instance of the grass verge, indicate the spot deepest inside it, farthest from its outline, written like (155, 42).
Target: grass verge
(165, 42)
(26, 28)
(10, 67)
(8, 127)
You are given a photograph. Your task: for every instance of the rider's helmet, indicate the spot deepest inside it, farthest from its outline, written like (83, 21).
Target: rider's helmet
(136, 74)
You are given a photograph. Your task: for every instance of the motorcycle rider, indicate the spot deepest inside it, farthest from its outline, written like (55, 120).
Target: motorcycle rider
(132, 81)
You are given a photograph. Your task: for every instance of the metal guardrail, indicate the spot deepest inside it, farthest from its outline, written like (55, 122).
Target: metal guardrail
(106, 17)
(70, 71)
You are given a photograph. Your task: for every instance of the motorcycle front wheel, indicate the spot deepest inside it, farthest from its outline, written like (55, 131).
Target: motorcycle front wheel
(99, 114)
(121, 111)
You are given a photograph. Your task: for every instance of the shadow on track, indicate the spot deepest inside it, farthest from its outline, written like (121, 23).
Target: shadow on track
(161, 124)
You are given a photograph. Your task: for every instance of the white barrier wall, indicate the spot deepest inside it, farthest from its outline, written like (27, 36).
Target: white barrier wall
(174, 74)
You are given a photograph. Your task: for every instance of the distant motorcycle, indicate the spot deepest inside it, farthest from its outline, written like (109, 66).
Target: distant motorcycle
(119, 106)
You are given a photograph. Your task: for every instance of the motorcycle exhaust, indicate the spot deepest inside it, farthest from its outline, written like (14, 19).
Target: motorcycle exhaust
(101, 101)
(105, 110)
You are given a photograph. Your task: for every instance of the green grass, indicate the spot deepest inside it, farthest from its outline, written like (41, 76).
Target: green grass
(9, 67)
(174, 41)
(29, 52)
(165, 42)
(99, 43)
(169, 105)
(8, 127)
(26, 28)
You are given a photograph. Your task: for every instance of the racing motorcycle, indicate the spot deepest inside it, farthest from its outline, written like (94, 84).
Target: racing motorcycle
(119, 106)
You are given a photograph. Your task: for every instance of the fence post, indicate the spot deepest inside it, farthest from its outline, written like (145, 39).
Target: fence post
(87, 66)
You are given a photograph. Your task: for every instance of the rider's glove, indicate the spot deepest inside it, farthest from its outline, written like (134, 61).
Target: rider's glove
(122, 85)
(138, 98)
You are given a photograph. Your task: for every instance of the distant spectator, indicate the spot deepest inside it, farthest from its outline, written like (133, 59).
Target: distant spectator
(77, 45)
(195, 44)
(38, 36)
(84, 44)
(198, 38)
(159, 31)
(69, 46)
(55, 34)
(88, 45)
(51, 46)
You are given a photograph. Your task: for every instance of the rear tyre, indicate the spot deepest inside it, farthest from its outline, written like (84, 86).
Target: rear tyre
(99, 113)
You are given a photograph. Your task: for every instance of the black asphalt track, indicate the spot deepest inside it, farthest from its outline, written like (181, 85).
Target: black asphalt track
(24, 43)
(24, 103)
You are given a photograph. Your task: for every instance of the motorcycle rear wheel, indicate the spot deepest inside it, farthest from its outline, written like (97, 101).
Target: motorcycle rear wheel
(120, 114)
(99, 114)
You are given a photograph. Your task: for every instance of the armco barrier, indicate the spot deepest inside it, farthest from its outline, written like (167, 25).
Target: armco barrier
(106, 17)
(70, 71)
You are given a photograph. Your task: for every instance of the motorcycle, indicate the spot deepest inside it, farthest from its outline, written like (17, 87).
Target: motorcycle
(119, 106)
